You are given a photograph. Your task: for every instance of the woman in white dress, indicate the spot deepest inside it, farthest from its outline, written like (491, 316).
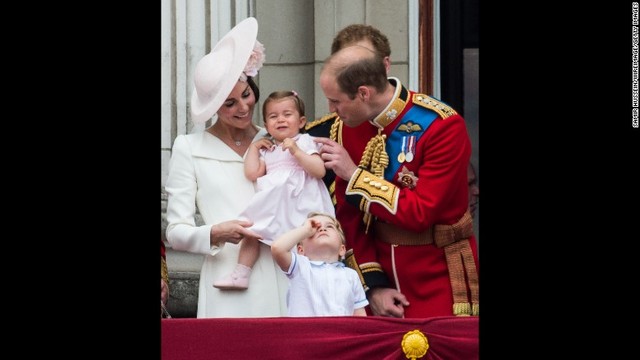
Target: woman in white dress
(206, 172)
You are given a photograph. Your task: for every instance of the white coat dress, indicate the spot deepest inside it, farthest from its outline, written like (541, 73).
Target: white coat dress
(205, 171)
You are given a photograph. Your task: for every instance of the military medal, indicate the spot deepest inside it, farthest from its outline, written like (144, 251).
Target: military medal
(409, 157)
(412, 145)
(407, 178)
(401, 156)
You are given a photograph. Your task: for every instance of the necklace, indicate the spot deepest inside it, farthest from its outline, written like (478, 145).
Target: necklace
(237, 142)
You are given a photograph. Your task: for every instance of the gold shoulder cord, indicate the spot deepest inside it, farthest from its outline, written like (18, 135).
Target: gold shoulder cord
(375, 159)
(325, 118)
(335, 128)
(164, 271)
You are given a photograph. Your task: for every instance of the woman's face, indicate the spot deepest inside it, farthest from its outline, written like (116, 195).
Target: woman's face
(237, 110)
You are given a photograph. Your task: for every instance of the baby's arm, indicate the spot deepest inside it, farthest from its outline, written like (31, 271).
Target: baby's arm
(281, 247)
(253, 167)
(312, 163)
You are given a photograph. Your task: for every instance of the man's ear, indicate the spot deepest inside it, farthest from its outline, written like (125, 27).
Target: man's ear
(363, 93)
(387, 64)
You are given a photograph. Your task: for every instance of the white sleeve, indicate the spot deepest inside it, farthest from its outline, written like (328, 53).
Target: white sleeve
(181, 185)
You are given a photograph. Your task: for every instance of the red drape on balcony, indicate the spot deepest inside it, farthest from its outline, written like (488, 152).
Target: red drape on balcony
(316, 338)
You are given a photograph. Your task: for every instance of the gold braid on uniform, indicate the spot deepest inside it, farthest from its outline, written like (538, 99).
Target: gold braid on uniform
(164, 271)
(336, 128)
(333, 132)
(460, 262)
(350, 261)
(463, 274)
(375, 159)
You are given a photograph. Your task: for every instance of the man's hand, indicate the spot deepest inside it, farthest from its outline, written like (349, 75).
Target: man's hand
(336, 158)
(387, 302)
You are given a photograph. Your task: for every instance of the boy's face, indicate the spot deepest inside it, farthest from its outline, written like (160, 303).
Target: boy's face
(326, 238)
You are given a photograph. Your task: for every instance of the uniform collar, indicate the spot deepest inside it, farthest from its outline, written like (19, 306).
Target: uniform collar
(395, 107)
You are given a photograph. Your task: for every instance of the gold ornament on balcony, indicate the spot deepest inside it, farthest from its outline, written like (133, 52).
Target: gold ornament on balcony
(414, 344)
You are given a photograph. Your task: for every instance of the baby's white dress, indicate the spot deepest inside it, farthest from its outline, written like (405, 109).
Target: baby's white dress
(286, 194)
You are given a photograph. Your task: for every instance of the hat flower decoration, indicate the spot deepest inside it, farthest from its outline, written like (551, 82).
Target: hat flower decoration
(255, 62)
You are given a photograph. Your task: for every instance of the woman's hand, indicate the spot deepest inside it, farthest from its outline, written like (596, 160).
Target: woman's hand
(232, 231)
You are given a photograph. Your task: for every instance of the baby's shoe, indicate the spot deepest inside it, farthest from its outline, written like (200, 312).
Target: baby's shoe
(237, 280)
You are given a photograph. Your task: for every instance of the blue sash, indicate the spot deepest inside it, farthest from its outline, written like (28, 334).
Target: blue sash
(416, 121)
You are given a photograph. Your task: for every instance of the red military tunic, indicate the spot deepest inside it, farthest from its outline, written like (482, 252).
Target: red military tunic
(429, 190)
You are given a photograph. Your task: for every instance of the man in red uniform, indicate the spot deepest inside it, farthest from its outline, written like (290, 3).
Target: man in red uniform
(354, 34)
(404, 206)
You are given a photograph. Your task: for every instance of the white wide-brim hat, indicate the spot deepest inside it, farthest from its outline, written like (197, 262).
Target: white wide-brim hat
(218, 72)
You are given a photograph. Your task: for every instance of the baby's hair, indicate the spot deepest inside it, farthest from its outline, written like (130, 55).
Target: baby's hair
(333, 219)
(281, 94)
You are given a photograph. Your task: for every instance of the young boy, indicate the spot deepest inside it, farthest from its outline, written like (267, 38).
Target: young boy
(320, 284)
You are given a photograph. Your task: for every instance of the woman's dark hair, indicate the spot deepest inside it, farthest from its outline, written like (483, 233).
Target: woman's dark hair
(253, 87)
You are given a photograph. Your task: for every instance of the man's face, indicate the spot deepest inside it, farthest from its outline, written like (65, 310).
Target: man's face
(351, 111)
